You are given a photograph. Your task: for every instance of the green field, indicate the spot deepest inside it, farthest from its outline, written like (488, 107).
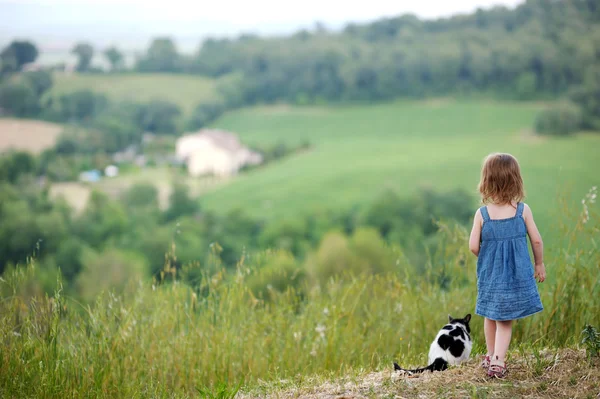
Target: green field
(360, 151)
(185, 90)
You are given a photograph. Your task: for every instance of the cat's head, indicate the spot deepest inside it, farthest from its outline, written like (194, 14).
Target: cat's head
(464, 321)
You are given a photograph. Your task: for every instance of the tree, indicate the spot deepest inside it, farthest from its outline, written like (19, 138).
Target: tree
(141, 195)
(16, 164)
(158, 116)
(19, 99)
(17, 54)
(41, 81)
(81, 105)
(114, 57)
(205, 113)
(85, 53)
(180, 203)
(102, 220)
(162, 56)
(587, 97)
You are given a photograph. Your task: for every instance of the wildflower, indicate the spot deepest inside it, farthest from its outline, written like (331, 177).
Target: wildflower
(590, 197)
(320, 329)
(326, 312)
(297, 336)
(398, 308)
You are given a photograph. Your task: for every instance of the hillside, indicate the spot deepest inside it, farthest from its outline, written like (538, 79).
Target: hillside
(29, 135)
(361, 151)
(184, 90)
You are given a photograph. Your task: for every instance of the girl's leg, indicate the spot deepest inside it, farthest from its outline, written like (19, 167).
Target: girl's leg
(503, 335)
(489, 328)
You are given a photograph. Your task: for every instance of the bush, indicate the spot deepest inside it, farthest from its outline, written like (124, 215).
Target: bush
(141, 195)
(112, 270)
(19, 99)
(41, 81)
(273, 272)
(81, 105)
(559, 120)
(339, 256)
(205, 113)
(16, 164)
(158, 116)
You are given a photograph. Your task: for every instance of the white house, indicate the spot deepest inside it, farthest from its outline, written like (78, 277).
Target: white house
(214, 152)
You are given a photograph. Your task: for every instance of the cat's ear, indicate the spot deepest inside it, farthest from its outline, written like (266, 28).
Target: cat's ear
(468, 318)
(450, 319)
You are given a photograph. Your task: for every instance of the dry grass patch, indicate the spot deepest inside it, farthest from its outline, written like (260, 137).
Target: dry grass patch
(28, 135)
(564, 373)
(75, 194)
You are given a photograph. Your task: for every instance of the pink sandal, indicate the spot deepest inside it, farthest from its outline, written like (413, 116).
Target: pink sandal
(485, 362)
(497, 370)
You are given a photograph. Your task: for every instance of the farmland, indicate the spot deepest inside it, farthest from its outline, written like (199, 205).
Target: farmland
(183, 90)
(27, 135)
(360, 151)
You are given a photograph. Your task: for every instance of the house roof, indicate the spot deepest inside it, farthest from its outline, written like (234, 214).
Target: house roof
(223, 139)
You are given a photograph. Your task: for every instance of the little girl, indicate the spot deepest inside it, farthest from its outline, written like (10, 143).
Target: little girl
(506, 288)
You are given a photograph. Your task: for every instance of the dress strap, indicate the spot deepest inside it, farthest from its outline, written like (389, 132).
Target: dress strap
(520, 207)
(484, 213)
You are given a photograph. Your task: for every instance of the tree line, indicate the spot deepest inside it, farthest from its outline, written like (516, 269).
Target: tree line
(131, 234)
(542, 49)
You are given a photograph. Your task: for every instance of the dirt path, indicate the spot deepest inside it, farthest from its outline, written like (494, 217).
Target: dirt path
(552, 374)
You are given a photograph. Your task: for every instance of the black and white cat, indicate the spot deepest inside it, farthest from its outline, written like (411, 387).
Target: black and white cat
(451, 346)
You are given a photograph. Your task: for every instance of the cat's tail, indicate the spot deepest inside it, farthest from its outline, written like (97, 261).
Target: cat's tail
(438, 364)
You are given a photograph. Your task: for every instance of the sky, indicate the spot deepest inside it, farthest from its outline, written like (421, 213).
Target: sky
(59, 22)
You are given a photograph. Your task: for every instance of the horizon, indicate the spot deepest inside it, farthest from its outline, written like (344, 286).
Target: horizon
(56, 25)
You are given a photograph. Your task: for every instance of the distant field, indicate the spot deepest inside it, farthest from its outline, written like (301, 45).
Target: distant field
(361, 151)
(28, 135)
(77, 193)
(185, 90)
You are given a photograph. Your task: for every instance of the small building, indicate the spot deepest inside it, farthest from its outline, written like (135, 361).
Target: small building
(90, 176)
(111, 171)
(214, 152)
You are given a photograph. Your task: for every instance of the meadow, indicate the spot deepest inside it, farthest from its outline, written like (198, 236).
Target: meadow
(184, 90)
(244, 329)
(360, 151)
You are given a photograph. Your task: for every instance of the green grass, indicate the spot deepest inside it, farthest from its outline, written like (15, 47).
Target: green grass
(360, 151)
(170, 340)
(185, 90)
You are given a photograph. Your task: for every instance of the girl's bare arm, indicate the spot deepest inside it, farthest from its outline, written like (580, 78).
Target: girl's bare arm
(537, 245)
(474, 240)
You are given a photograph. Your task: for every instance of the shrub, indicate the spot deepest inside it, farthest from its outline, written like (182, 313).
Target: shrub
(41, 81)
(339, 256)
(81, 105)
(273, 272)
(108, 271)
(205, 113)
(141, 195)
(158, 116)
(18, 99)
(591, 340)
(560, 120)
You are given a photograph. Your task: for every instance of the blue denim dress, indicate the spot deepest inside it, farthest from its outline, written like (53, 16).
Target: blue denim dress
(506, 287)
